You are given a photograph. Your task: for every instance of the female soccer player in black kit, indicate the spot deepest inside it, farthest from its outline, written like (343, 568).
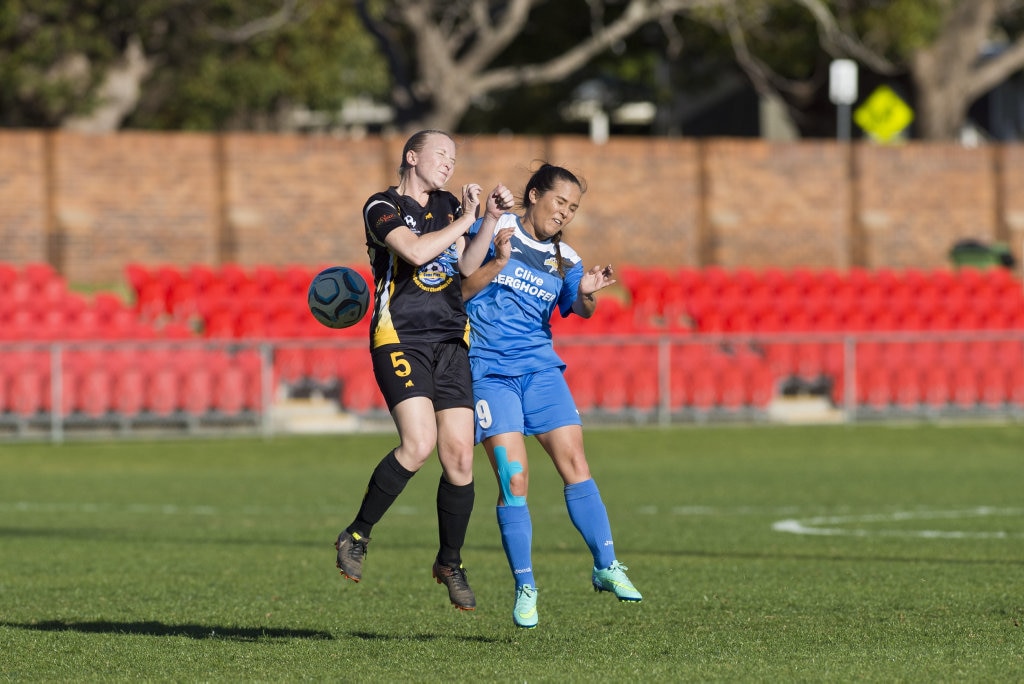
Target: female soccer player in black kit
(418, 340)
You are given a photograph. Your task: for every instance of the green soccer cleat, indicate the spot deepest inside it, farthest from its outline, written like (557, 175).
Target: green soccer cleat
(613, 579)
(459, 592)
(524, 613)
(351, 551)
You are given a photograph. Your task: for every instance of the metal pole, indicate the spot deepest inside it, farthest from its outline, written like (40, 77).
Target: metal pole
(843, 122)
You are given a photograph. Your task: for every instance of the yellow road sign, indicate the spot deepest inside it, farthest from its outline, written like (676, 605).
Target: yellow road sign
(884, 114)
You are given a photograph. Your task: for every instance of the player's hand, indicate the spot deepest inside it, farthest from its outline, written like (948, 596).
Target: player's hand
(499, 201)
(503, 245)
(597, 278)
(470, 198)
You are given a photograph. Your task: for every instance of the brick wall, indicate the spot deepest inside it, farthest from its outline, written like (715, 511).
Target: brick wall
(915, 202)
(133, 197)
(91, 204)
(23, 196)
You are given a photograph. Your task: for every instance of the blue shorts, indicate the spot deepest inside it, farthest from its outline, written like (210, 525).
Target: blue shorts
(529, 404)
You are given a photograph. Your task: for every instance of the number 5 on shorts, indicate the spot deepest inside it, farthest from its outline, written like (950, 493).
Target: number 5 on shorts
(401, 366)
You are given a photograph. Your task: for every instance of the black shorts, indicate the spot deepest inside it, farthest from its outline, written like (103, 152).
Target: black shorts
(438, 370)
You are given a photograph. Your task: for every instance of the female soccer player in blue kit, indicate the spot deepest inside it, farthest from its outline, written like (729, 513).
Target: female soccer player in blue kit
(518, 384)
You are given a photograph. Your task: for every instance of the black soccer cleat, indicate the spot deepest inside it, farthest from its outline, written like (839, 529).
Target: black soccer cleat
(459, 592)
(351, 551)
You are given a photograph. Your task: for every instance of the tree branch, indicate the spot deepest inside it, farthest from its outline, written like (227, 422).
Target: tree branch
(250, 30)
(838, 43)
(636, 14)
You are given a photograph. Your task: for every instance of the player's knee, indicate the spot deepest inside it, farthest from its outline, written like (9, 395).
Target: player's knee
(576, 469)
(414, 453)
(518, 485)
(456, 461)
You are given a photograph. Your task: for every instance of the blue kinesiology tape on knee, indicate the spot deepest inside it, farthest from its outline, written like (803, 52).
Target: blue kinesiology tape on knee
(505, 472)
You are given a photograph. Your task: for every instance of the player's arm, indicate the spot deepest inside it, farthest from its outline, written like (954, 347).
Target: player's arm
(422, 249)
(482, 276)
(597, 278)
(473, 253)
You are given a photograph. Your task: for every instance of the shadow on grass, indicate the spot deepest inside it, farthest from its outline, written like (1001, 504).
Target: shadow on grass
(153, 628)
(378, 636)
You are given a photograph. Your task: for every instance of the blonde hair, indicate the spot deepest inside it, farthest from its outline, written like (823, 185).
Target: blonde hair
(415, 144)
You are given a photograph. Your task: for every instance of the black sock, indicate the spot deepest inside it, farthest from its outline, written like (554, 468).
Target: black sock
(387, 482)
(454, 505)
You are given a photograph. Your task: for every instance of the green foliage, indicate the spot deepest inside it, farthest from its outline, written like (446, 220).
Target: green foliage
(212, 560)
(317, 62)
(54, 54)
(899, 28)
(40, 83)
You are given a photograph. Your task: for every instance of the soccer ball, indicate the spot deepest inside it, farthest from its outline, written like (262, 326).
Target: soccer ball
(338, 297)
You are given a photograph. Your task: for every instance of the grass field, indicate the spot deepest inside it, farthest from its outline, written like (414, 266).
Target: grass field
(880, 553)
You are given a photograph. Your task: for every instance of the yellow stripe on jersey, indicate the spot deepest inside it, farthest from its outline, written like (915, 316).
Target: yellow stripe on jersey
(385, 332)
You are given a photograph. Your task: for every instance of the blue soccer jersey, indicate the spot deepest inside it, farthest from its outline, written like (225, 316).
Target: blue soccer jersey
(510, 329)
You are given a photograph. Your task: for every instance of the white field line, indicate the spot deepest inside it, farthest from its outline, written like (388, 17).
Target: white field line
(865, 525)
(861, 525)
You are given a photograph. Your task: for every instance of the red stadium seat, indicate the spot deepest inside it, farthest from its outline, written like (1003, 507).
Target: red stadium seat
(196, 390)
(266, 278)
(1015, 388)
(323, 363)
(360, 394)
(702, 388)
(93, 393)
(874, 387)
(583, 385)
(162, 391)
(907, 390)
(183, 300)
(201, 276)
(8, 276)
(994, 386)
(151, 300)
(810, 358)
(233, 276)
(128, 392)
(782, 357)
(966, 389)
(290, 364)
(643, 392)
(28, 391)
(732, 387)
(611, 389)
(229, 391)
(937, 387)
(39, 274)
(250, 362)
(760, 386)
(219, 324)
(251, 325)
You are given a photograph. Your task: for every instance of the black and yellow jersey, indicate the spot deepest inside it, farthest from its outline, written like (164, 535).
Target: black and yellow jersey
(413, 303)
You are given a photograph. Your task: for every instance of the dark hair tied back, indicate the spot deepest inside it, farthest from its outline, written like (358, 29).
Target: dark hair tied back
(544, 180)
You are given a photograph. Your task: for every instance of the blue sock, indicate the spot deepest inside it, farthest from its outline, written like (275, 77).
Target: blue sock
(517, 538)
(588, 514)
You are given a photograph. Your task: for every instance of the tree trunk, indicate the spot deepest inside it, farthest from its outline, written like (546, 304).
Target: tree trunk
(943, 71)
(119, 93)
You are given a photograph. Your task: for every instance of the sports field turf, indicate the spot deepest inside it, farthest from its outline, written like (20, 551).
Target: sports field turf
(879, 553)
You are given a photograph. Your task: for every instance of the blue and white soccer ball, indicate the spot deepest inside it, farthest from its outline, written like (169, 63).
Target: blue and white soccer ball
(338, 297)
